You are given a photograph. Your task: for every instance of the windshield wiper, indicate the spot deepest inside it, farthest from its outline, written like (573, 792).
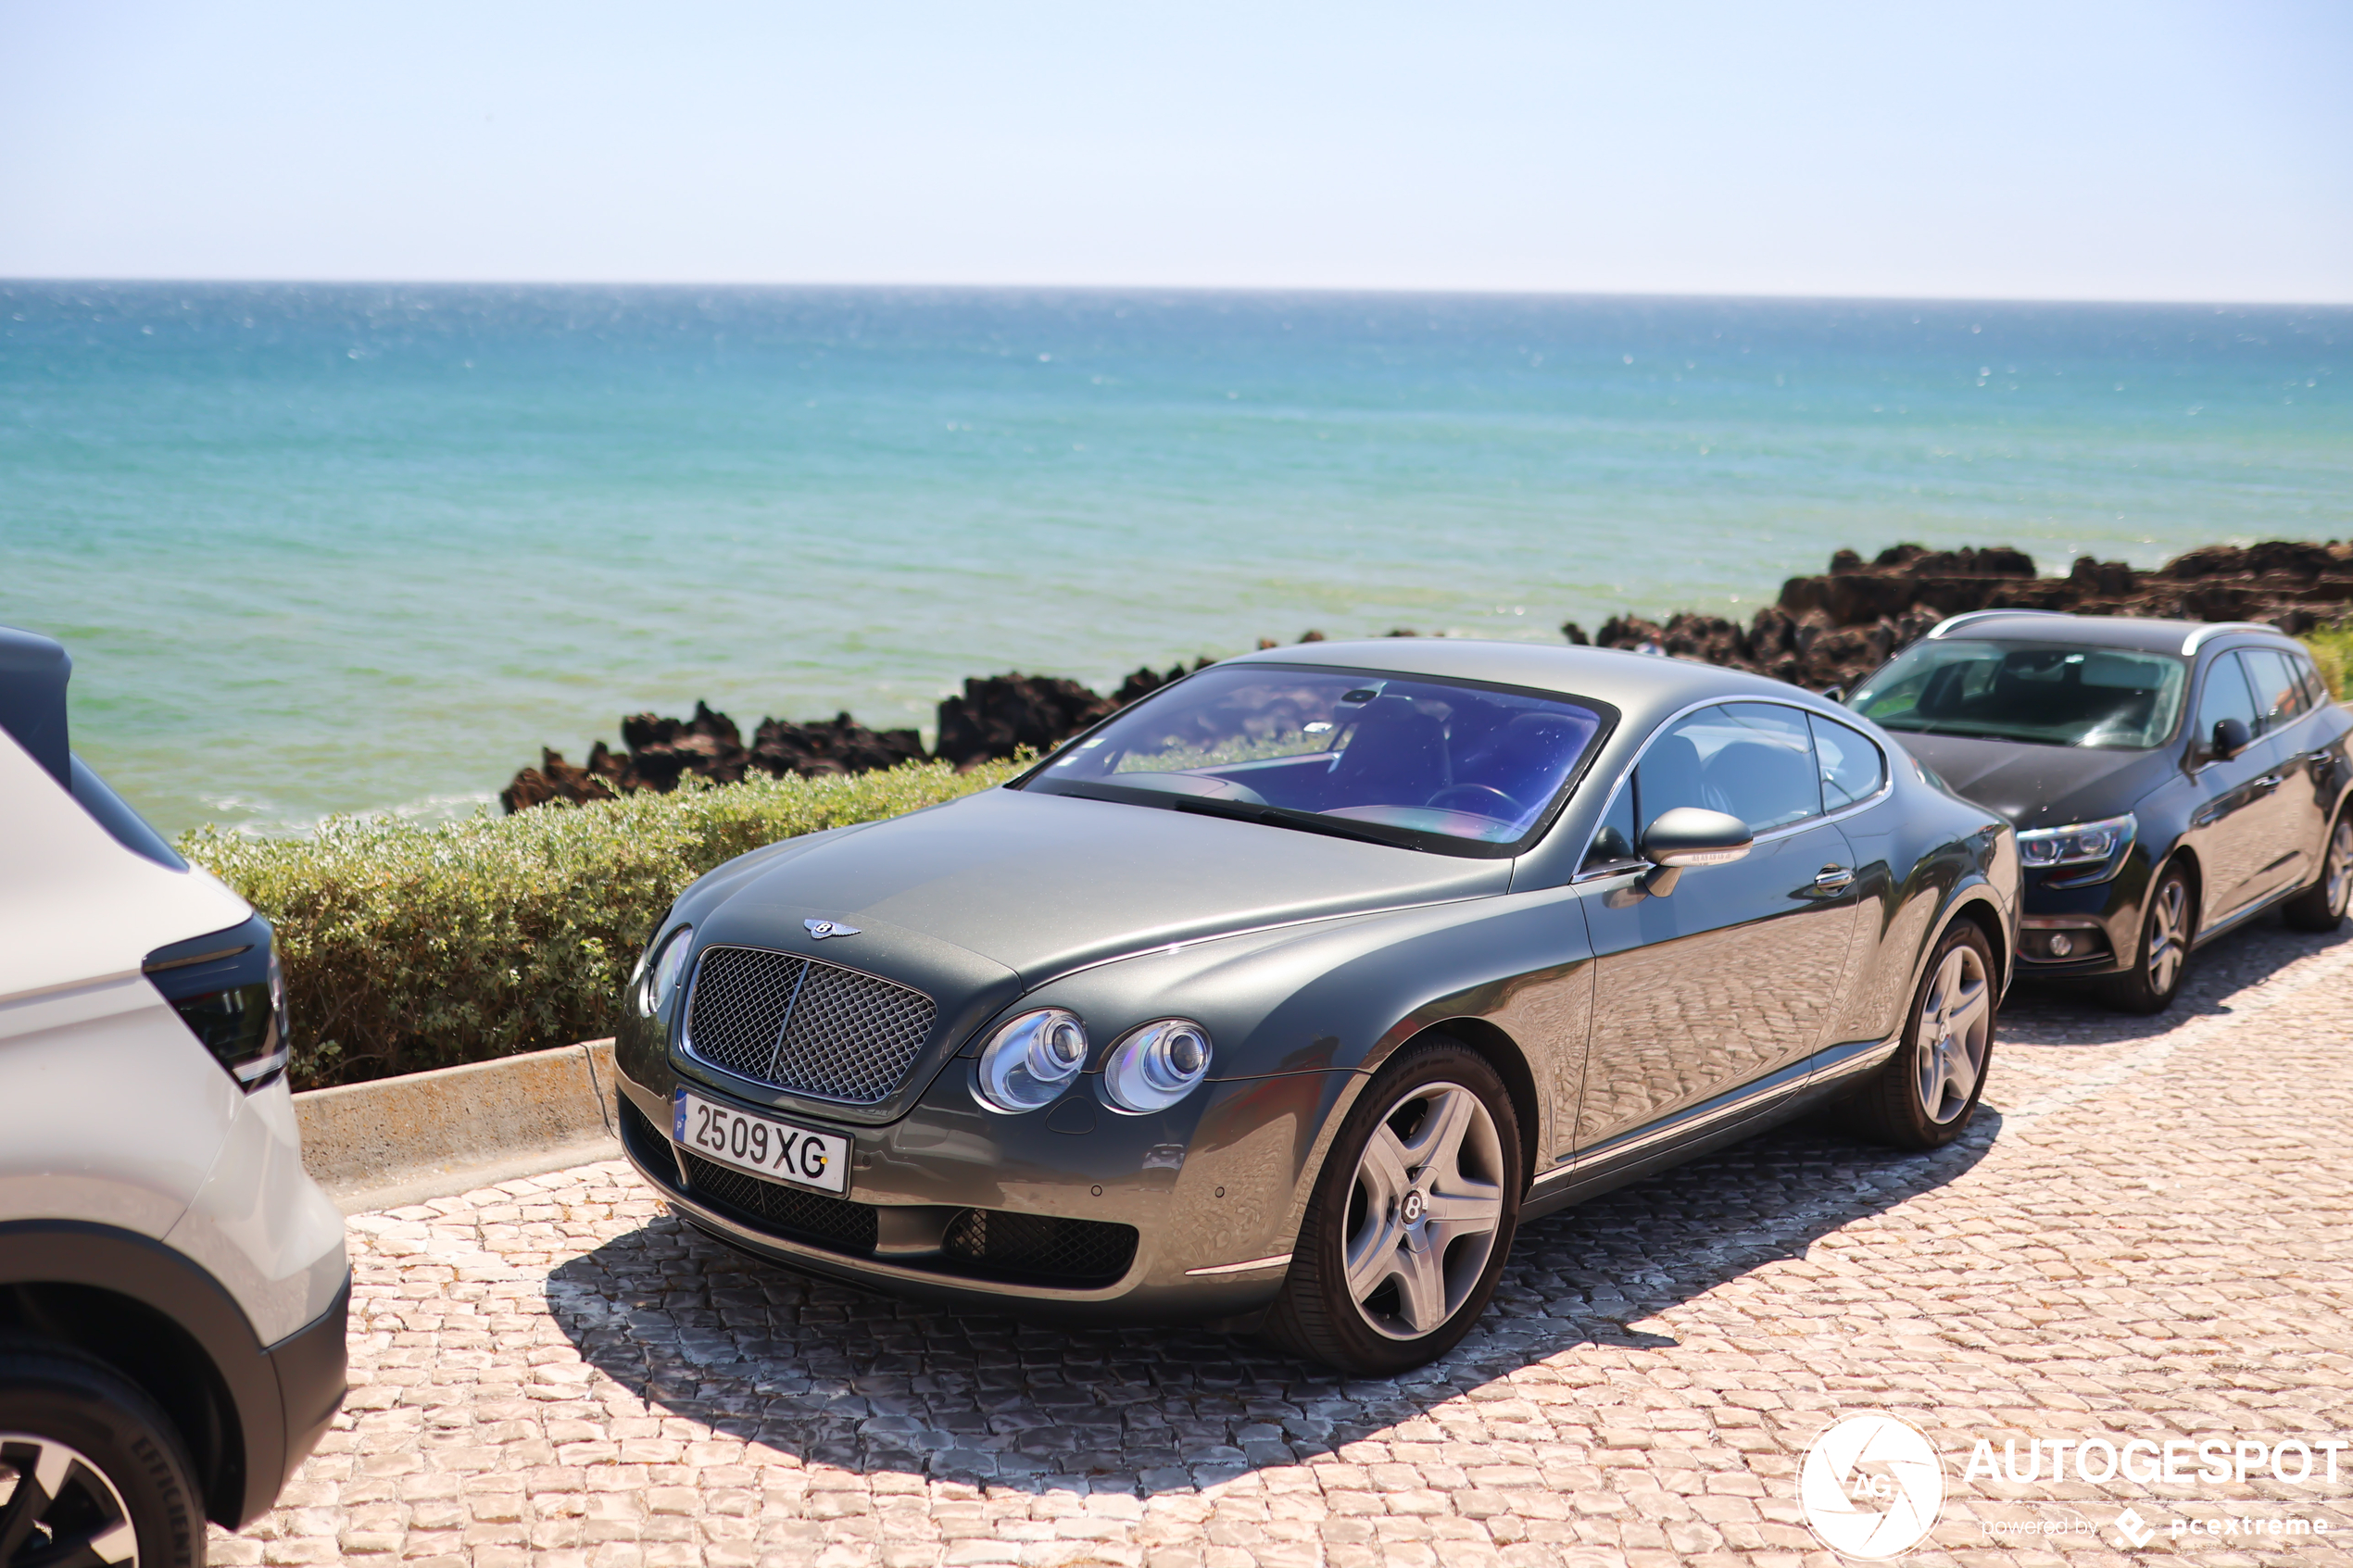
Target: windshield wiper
(1284, 816)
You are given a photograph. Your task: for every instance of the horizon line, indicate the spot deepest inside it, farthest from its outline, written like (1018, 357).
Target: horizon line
(1336, 289)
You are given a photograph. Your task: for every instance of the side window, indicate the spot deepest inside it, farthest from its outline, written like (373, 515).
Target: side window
(2316, 690)
(1614, 842)
(1752, 759)
(2279, 690)
(1853, 769)
(2224, 695)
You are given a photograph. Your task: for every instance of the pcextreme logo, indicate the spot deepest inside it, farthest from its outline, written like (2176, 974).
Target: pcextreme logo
(1871, 1486)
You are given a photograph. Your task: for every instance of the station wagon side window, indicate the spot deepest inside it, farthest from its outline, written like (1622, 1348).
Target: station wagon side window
(2316, 690)
(1853, 770)
(2224, 695)
(2279, 690)
(1754, 761)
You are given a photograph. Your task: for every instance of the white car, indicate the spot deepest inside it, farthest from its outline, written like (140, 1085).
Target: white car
(172, 1285)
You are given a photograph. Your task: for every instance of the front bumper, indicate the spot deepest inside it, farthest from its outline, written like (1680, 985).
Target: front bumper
(2099, 922)
(312, 1368)
(1111, 1216)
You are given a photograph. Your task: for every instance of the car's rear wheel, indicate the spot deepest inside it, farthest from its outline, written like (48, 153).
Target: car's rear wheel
(2166, 922)
(1412, 1218)
(2322, 906)
(1931, 1087)
(90, 1472)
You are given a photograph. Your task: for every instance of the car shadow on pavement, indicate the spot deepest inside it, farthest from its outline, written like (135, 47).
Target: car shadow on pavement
(836, 1376)
(2057, 1014)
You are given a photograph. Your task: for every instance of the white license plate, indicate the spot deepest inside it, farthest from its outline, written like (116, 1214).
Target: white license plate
(762, 1146)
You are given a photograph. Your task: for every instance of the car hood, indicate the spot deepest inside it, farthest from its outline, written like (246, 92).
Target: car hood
(1042, 884)
(2036, 786)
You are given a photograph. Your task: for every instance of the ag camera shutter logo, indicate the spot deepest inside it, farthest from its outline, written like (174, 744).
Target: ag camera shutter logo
(1871, 1486)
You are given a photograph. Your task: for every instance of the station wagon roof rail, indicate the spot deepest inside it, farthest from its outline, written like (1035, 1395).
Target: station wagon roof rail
(2205, 634)
(1950, 624)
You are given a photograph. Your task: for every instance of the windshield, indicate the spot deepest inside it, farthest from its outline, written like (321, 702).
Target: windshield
(1375, 757)
(2046, 694)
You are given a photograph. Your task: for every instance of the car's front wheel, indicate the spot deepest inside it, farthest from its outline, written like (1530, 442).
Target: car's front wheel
(1412, 1218)
(2150, 985)
(90, 1472)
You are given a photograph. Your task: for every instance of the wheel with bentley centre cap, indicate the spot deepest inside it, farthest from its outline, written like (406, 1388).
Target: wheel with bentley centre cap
(1412, 1216)
(90, 1472)
(1931, 1087)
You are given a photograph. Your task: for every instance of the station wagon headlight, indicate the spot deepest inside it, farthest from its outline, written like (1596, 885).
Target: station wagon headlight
(1153, 1068)
(2079, 844)
(1031, 1061)
(661, 971)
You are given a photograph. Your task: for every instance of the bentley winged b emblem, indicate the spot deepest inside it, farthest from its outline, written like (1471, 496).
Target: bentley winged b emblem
(820, 929)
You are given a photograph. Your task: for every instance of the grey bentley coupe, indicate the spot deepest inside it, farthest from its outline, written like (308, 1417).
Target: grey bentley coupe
(1280, 997)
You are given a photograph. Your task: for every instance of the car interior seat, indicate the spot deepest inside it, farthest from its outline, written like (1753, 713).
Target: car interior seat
(1397, 757)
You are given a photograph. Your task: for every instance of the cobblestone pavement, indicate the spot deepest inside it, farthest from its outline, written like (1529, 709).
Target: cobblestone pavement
(2151, 1237)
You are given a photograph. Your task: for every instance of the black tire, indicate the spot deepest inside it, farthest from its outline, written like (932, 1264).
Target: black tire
(2322, 906)
(2167, 921)
(92, 1455)
(1894, 1107)
(1318, 1315)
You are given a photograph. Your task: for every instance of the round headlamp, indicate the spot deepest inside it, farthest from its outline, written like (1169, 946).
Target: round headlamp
(661, 971)
(1153, 1068)
(1031, 1061)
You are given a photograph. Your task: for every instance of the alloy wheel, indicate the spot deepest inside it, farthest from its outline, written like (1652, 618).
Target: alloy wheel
(1957, 1027)
(2340, 865)
(57, 1506)
(2169, 932)
(1425, 1212)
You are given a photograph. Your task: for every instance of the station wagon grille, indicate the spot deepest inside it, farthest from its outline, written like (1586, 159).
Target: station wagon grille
(804, 1025)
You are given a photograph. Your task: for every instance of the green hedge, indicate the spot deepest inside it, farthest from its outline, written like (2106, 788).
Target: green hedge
(2332, 651)
(408, 947)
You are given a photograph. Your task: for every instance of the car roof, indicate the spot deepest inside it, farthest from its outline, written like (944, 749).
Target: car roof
(2144, 635)
(1642, 686)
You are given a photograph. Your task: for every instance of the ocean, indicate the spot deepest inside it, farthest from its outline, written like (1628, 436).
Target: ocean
(322, 549)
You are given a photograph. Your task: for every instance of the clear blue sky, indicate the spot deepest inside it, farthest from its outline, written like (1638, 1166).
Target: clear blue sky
(2148, 151)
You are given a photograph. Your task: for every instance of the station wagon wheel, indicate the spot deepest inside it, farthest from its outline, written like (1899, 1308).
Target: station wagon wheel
(2322, 906)
(2167, 921)
(1412, 1218)
(90, 1472)
(1931, 1087)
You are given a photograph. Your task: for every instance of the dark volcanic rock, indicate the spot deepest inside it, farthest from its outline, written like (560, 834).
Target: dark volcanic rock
(844, 746)
(554, 779)
(999, 714)
(1834, 629)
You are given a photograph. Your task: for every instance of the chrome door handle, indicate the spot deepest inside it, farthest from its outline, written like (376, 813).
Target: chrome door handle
(1832, 878)
(2269, 781)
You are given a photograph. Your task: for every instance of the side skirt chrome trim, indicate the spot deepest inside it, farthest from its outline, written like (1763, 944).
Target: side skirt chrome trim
(1279, 1260)
(1692, 1123)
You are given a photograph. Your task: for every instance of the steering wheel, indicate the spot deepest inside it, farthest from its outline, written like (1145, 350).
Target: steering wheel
(1481, 795)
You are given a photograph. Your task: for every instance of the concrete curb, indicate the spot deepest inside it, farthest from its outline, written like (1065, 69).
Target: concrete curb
(430, 1134)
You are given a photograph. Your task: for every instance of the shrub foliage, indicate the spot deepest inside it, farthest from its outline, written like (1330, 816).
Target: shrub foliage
(409, 946)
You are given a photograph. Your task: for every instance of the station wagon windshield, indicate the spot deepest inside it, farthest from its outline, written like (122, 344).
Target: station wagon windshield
(1436, 764)
(2046, 694)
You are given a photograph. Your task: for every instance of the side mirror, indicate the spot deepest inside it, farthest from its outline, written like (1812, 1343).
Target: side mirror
(2231, 737)
(1690, 836)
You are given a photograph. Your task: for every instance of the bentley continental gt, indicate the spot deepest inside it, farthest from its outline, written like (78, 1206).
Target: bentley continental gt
(1280, 999)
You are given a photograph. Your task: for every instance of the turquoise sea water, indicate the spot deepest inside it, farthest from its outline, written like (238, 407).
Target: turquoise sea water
(348, 548)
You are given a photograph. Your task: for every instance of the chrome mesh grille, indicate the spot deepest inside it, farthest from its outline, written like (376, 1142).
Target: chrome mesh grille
(804, 1025)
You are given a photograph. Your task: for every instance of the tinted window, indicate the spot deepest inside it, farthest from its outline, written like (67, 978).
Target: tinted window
(1752, 759)
(1614, 841)
(2224, 695)
(2051, 694)
(1853, 769)
(2279, 690)
(2316, 690)
(1420, 756)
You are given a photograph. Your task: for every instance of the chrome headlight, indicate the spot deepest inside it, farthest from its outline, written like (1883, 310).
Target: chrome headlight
(1153, 1068)
(660, 970)
(2079, 844)
(1031, 1061)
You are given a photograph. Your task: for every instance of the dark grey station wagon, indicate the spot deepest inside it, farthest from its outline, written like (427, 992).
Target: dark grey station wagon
(1281, 997)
